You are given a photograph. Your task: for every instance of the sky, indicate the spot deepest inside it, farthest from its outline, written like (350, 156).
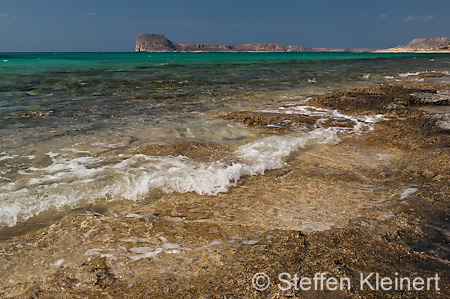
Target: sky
(113, 25)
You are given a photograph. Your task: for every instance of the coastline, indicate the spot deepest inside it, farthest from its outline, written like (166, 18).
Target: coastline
(158, 43)
(403, 50)
(375, 202)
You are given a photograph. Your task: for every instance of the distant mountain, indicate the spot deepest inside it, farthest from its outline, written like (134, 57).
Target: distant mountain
(159, 43)
(435, 44)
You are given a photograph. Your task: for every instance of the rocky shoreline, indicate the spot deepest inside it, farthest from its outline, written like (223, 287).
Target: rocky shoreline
(375, 203)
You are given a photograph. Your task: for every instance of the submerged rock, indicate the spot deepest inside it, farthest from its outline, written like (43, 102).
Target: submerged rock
(275, 121)
(428, 75)
(376, 203)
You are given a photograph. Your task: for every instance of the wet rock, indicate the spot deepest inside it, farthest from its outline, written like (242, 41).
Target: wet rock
(32, 113)
(441, 98)
(442, 121)
(428, 75)
(197, 246)
(276, 121)
(373, 100)
(195, 150)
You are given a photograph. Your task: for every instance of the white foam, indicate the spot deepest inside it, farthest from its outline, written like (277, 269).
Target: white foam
(316, 226)
(360, 123)
(403, 75)
(407, 192)
(143, 253)
(58, 263)
(6, 156)
(215, 243)
(70, 181)
(135, 240)
(250, 242)
(138, 253)
(99, 251)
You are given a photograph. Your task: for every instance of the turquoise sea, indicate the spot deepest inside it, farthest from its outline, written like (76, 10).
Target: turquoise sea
(73, 125)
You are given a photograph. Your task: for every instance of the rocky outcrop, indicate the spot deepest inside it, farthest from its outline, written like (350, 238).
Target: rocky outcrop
(154, 43)
(159, 43)
(435, 44)
(428, 43)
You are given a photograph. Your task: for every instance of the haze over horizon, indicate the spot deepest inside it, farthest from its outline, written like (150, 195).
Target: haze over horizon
(100, 25)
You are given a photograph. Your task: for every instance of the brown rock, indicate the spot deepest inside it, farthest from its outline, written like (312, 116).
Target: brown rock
(154, 43)
(159, 43)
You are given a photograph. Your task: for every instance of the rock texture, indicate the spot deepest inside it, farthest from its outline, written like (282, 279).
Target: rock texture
(154, 43)
(159, 43)
(375, 203)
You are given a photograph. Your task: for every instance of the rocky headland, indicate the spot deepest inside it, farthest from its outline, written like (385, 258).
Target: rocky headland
(425, 45)
(159, 43)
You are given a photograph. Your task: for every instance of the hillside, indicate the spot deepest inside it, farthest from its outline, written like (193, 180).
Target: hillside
(436, 44)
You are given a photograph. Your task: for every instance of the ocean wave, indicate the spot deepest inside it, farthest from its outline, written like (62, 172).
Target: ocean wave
(70, 181)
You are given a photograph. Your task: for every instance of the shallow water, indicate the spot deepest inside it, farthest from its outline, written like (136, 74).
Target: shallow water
(84, 128)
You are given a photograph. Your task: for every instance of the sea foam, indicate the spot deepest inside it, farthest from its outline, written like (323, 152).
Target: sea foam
(72, 181)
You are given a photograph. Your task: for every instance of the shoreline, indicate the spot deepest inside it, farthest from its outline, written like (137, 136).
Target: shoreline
(372, 203)
(412, 51)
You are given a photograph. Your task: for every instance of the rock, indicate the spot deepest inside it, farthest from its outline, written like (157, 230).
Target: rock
(427, 98)
(435, 44)
(154, 43)
(427, 43)
(442, 121)
(428, 75)
(275, 120)
(159, 43)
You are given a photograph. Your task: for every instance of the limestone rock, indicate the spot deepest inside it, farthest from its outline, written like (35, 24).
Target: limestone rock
(159, 43)
(428, 43)
(154, 43)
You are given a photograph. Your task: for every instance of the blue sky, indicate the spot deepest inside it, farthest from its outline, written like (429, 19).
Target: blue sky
(113, 25)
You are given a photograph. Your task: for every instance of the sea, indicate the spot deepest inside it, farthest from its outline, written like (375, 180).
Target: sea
(78, 129)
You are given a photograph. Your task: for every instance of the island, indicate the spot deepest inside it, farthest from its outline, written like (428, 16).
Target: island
(159, 43)
(423, 45)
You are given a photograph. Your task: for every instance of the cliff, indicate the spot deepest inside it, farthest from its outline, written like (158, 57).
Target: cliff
(154, 43)
(159, 43)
